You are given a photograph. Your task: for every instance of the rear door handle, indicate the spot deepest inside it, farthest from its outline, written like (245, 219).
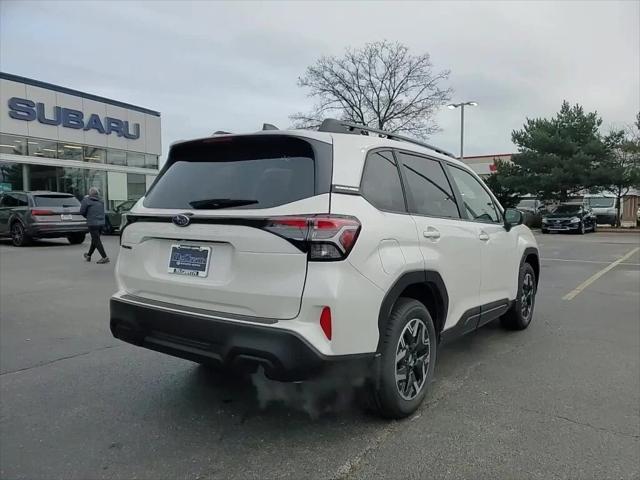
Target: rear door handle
(484, 236)
(431, 233)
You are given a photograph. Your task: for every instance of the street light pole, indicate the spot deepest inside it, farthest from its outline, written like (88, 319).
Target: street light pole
(462, 105)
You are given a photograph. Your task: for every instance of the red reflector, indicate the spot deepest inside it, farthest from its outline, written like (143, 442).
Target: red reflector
(41, 212)
(325, 321)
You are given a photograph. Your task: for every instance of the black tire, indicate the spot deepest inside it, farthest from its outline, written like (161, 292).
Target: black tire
(76, 238)
(384, 395)
(595, 227)
(19, 236)
(518, 317)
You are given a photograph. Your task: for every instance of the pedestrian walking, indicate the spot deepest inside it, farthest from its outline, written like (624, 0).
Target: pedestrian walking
(92, 208)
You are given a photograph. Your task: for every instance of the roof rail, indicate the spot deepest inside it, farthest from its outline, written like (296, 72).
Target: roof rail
(338, 126)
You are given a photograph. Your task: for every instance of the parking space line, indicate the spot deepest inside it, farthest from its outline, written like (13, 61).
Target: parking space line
(571, 295)
(601, 262)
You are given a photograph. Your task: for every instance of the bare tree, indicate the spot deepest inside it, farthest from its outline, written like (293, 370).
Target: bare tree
(381, 85)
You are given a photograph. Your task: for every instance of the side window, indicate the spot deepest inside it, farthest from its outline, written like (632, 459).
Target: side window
(9, 200)
(21, 200)
(381, 183)
(477, 202)
(429, 187)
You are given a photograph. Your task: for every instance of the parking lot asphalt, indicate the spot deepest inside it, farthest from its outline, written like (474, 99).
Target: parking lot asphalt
(558, 400)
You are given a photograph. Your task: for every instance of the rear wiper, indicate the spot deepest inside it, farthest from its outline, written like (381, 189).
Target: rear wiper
(213, 203)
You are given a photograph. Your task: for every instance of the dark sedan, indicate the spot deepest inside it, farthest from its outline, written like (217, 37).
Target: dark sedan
(569, 217)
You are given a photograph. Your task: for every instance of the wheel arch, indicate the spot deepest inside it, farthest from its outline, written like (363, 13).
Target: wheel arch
(532, 257)
(427, 287)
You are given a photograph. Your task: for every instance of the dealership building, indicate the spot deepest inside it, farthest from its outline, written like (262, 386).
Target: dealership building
(58, 139)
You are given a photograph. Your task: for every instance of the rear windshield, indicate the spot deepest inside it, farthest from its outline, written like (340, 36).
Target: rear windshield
(55, 201)
(237, 172)
(601, 202)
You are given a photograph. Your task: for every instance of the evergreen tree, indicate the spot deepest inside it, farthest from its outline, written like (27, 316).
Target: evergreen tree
(557, 157)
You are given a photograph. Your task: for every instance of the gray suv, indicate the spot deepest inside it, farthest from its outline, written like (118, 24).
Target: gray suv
(25, 216)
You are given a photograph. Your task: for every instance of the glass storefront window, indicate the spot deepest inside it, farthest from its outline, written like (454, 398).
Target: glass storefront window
(98, 179)
(42, 148)
(71, 180)
(10, 176)
(135, 159)
(136, 186)
(69, 151)
(44, 177)
(151, 161)
(117, 157)
(95, 155)
(13, 145)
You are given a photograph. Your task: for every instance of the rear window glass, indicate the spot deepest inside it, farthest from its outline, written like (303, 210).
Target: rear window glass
(235, 172)
(55, 201)
(601, 202)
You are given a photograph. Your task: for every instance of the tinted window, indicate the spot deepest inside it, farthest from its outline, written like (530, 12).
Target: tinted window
(14, 200)
(477, 202)
(429, 187)
(236, 172)
(381, 182)
(569, 209)
(55, 201)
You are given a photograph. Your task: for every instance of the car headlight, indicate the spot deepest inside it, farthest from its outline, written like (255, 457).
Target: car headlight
(544, 220)
(575, 220)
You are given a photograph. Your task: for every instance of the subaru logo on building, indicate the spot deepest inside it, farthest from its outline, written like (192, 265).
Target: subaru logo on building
(181, 220)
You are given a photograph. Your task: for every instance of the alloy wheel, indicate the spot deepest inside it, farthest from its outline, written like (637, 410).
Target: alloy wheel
(17, 233)
(413, 355)
(527, 297)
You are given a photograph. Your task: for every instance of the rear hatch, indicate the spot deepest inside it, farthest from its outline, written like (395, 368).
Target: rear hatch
(55, 208)
(216, 230)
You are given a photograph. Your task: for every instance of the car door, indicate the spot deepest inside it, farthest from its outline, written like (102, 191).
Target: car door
(449, 246)
(498, 263)
(5, 211)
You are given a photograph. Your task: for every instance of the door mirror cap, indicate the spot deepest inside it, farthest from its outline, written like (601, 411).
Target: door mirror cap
(512, 217)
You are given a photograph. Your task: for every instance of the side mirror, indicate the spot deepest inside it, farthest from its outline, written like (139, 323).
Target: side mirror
(512, 217)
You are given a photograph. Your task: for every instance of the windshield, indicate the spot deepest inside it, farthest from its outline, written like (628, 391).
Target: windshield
(528, 203)
(567, 209)
(55, 201)
(236, 173)
(601, 202)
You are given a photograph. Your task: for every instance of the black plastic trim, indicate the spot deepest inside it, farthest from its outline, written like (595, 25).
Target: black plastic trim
(284, 354)
(474, 318)
(420, 277)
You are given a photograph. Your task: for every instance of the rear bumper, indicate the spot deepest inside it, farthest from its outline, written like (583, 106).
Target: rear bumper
(284, 354)
(55, 229)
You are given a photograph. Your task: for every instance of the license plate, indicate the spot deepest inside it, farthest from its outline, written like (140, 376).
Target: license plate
(190, 260)
(66, 217)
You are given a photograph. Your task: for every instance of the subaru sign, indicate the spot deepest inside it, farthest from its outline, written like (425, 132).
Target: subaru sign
(28, 110)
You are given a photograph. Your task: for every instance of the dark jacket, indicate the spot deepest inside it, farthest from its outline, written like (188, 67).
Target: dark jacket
(92, 208)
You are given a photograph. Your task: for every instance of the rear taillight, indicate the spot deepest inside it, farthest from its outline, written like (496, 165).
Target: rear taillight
(38, 212)
(324, 237)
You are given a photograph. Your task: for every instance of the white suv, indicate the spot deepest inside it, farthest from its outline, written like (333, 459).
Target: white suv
(297, 250)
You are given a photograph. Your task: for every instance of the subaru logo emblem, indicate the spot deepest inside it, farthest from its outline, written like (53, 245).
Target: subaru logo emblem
(181, 220)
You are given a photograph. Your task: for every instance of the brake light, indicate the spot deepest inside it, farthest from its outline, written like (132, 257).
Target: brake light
(325, 322)
(324, 237)
(38, 212)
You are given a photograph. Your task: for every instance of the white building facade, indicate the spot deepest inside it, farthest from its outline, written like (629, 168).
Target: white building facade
(58, 139)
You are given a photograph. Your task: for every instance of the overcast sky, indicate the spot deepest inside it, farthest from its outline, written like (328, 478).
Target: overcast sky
(212, 65)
